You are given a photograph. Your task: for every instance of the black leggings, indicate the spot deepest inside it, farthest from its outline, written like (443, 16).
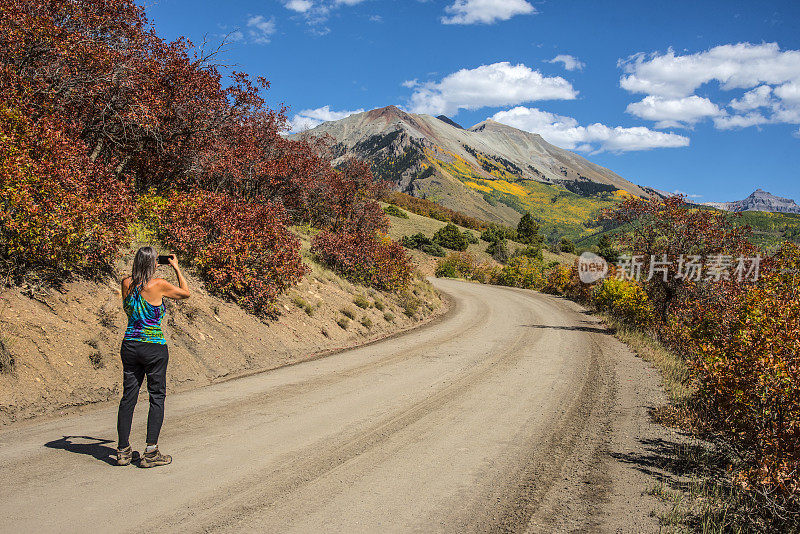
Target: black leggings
(140, 359)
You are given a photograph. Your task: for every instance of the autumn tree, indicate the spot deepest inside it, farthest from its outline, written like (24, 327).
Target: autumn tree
(666, 234)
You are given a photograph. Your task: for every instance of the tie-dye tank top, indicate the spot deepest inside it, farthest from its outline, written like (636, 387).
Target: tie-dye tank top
(144, 319)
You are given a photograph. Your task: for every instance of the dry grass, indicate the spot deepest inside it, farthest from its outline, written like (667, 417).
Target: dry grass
(673, 368)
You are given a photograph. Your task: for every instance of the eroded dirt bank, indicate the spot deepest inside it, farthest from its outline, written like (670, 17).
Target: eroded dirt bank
(64, 344)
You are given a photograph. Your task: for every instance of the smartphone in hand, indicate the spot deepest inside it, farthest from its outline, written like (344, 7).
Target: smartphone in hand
(164, 260)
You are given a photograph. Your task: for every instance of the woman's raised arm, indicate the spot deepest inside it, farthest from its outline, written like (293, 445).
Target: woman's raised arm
(170, 291)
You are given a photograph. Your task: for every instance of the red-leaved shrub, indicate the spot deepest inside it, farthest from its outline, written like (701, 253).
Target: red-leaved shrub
(745, 343)
(243, 250)
(364, 257)
(59, 212)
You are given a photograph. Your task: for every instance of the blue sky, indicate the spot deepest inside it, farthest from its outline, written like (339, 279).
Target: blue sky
(701, 97)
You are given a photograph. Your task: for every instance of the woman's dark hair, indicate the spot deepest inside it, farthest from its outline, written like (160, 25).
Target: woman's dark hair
(144, 267)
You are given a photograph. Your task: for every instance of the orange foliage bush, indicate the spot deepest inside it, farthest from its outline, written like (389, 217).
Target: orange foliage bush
(741, 337)
(746, 347)
(243, 249)
(119, 110)
(59, 212)
(364, 257)
(464, 265)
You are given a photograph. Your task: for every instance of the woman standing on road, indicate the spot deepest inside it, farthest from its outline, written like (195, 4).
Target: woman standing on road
(144, 352)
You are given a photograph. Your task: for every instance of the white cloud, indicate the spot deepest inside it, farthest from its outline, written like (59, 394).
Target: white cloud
(570, 62)
(235, 36)
(674, 112)
(734, 66)
(485, 11)
(685, 194)
(316, 12)
(301, 6)
(740, 121)
(311, 118)
(498, 84)
(260, 30)
(770, 75)
(567, 133)
(789, 92)
(759, 97)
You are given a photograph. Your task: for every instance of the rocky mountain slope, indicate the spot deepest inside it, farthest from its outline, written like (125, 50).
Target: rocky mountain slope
(491, 171)
(759, 200)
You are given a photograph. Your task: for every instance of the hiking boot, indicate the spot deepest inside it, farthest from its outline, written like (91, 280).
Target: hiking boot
(124, 456)
(154, 459)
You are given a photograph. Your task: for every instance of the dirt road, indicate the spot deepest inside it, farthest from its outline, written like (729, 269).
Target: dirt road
(515, 412)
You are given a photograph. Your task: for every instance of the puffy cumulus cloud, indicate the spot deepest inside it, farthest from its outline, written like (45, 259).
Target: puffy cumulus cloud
(566, 132)
(740, 121)
(770, 76)
(498, 84)
(674, 112)
(485, 11)
(259, 29)
(569, 62)
(734, 66)
(311, 118)
(789, 92)
(761, 96)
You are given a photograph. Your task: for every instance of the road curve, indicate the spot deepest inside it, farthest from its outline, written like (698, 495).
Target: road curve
(510, 414)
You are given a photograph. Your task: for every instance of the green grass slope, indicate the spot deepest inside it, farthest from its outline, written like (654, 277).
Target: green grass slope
(416, 223)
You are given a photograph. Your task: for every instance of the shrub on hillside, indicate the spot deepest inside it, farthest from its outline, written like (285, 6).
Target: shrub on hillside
(496, 233)
(421, 242)
(59, 212)
(394, 211)
(433, 250)
(624, 299)
(365, 258)
(243, 250)
(521, 271)
(499, 251)
(415, 241)
(462, 265)
(566, 245)
(451, 237)
(606, 250)
(531, 251)
(528, 231)
(559, 280)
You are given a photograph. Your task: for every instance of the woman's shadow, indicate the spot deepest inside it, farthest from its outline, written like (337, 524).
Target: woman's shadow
(94, 447)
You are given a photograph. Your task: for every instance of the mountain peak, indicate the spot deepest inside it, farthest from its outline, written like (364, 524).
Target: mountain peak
(488, 124)
(388, 113)
(448, 120)
(759, 200)
(434, 157)
(491, 125)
